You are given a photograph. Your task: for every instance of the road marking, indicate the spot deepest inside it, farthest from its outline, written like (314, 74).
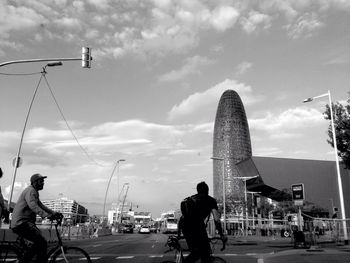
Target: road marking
(251, 254)
(230, 255)
(124, 257)
(260, 260)
(95, 258)
(98, 245)
(156, 256)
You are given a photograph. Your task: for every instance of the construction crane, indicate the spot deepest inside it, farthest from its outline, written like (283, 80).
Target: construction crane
(123, 192)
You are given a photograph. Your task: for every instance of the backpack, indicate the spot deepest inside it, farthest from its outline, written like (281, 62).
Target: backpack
(189, 208)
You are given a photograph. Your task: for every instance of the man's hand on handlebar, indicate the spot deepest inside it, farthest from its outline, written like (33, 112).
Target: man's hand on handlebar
(55, 216)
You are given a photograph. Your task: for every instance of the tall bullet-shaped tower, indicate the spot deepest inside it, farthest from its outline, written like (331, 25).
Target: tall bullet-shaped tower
(232, 143)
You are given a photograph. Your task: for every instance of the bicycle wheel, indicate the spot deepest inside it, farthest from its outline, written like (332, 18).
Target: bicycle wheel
(9, 253)
(71, 255)
(217, 260)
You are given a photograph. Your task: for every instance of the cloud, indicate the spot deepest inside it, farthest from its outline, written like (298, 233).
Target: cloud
(191, 66)
(20, 18)
(305, 26)
(204, 104)
(224, 17)
(281, 126)
(254, 19)
(243, 67)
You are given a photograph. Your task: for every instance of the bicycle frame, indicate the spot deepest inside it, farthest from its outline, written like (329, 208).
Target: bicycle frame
(173, 243)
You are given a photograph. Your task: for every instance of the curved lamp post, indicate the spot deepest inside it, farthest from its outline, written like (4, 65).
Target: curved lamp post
(109, 182)
(223, 188)
(340, 186)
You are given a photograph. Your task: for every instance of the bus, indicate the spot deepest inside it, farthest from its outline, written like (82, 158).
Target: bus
(169, 225)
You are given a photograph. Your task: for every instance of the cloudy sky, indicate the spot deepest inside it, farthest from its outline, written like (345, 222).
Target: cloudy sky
(159, 68)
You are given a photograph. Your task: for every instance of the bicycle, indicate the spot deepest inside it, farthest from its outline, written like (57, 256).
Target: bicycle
(14, 251)
(173, 242)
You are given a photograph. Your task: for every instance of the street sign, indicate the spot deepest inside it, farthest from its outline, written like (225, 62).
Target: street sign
(298, 192)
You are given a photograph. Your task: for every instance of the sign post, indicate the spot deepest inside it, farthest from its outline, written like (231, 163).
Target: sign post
(298, 195)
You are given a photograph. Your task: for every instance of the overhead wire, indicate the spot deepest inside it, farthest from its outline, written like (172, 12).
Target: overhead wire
(20, 74)
(70, 129)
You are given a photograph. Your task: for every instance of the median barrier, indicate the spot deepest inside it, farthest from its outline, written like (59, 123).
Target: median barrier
(8, 235)
(102, 232)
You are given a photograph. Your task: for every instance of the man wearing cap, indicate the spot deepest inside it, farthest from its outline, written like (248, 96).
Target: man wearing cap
(24, 217)
(3, 209)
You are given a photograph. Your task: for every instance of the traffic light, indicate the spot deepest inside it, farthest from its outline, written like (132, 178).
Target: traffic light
(86, 57)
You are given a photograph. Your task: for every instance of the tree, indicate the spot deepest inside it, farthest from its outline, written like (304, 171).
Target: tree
(342, 129)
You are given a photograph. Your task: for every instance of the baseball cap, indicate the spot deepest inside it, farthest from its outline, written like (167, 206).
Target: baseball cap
(36, 177)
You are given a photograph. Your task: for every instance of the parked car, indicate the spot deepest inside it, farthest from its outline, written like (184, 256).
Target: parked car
(144, 230)
(128, 228)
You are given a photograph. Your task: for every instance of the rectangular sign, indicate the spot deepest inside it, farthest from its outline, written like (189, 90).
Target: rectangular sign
(298, 192)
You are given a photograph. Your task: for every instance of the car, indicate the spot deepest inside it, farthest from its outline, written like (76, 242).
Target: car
(144, 230)
(153, 229)
(128, 228)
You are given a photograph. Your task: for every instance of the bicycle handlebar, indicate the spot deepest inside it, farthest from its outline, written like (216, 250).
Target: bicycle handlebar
(173, 242)
(58, 217)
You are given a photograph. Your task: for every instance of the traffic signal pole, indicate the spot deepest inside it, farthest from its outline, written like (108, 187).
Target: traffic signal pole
(85, 58)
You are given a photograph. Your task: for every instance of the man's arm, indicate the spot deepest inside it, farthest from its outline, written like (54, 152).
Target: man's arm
(32, 199)
(217, 221)
(2, 202)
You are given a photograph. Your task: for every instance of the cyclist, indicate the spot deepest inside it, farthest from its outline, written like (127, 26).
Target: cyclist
(24, 217)
(3, 210)
(194, 227)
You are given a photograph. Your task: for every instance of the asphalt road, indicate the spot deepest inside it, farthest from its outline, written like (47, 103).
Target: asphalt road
(151, 247)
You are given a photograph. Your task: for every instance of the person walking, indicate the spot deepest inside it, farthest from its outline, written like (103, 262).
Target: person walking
(24, 217)
(196, 211)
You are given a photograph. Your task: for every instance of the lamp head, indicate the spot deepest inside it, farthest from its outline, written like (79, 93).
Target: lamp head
(54, 64)
(308, 100)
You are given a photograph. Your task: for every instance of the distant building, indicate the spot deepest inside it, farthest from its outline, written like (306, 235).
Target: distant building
(72, 211)
(319, 179)
(232, 149)
(231, 144)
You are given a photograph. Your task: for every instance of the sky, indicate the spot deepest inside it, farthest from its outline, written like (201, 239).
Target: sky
(150, 97)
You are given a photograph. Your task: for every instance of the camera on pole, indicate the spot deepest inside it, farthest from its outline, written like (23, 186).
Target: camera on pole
(86, 57)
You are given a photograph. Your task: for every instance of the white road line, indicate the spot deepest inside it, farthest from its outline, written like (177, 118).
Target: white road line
(95, 258)
(260, 260)
(230, 255)
(156, 256)
(251, 254)
(98, 245)
(124, 257)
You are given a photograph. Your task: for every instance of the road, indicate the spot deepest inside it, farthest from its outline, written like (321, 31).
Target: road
(147, 248)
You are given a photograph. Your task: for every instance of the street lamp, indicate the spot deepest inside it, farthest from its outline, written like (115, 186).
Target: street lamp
(245, 178)
(340, 187)
(223, 188)
(118, 194)
(253, 212)
(109, 182)
(17, 160)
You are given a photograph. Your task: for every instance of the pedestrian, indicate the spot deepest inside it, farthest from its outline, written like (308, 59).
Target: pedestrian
(24, 217)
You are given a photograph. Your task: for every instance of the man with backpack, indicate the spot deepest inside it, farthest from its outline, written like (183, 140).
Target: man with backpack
(196, 211)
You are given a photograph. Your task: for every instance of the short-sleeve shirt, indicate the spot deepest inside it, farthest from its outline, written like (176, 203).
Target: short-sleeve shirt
(204, 205)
